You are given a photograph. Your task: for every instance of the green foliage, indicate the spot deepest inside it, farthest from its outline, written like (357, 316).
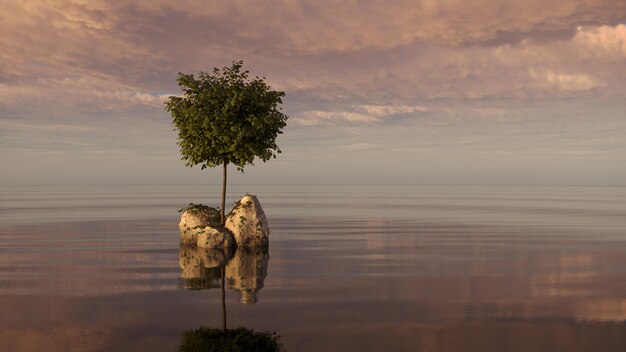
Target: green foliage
(226, 117)
(230, 340)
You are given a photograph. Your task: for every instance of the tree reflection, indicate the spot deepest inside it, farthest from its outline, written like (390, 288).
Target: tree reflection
(230, 340)
(243, 271)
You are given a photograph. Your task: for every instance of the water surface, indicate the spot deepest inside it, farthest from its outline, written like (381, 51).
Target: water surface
(349, 268)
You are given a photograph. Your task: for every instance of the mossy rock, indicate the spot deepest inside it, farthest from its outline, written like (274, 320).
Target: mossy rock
(211, 214)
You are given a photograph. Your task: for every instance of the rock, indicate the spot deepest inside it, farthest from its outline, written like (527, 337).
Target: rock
(190, 235)
(194, 219)
(248, 223)
(210, 237)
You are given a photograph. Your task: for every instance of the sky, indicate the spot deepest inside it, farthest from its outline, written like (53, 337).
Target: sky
(452, 92)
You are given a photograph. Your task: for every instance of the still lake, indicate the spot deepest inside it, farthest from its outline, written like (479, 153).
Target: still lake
(349, 268)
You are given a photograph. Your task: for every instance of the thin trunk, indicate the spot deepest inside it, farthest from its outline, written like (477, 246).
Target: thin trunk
(223, 217)
(224, 296)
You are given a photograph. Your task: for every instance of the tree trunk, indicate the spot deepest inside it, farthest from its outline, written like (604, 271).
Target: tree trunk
(223, 217)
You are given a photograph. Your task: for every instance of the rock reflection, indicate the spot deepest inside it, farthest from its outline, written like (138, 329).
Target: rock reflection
(246, 272)
(202, 268)
(245, 269)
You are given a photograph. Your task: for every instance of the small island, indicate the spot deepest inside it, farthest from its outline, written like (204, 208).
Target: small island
(245, 226)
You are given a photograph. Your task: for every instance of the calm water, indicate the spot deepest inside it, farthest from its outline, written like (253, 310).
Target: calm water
(348, 269)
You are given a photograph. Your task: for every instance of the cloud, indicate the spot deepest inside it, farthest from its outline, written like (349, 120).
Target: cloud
(332, 26)
(568, 82)
(386, 110)
(608, 41)
(411, 49)
(31, 127)
(430, 75)
(312, 118)
(357, 114)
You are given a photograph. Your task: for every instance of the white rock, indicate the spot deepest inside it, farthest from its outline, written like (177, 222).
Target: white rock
(193, 221)
(211, 237)
(190, 236)
(248, 223)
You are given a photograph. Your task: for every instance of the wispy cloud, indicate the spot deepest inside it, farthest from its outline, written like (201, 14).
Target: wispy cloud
(356, 114)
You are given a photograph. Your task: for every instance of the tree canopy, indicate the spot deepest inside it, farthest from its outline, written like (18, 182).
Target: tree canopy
(226, 117)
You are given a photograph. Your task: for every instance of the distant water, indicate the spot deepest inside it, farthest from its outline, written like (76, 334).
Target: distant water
(349, 268)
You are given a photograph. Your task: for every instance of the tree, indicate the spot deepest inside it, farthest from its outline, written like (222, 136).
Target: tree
(226, 118)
